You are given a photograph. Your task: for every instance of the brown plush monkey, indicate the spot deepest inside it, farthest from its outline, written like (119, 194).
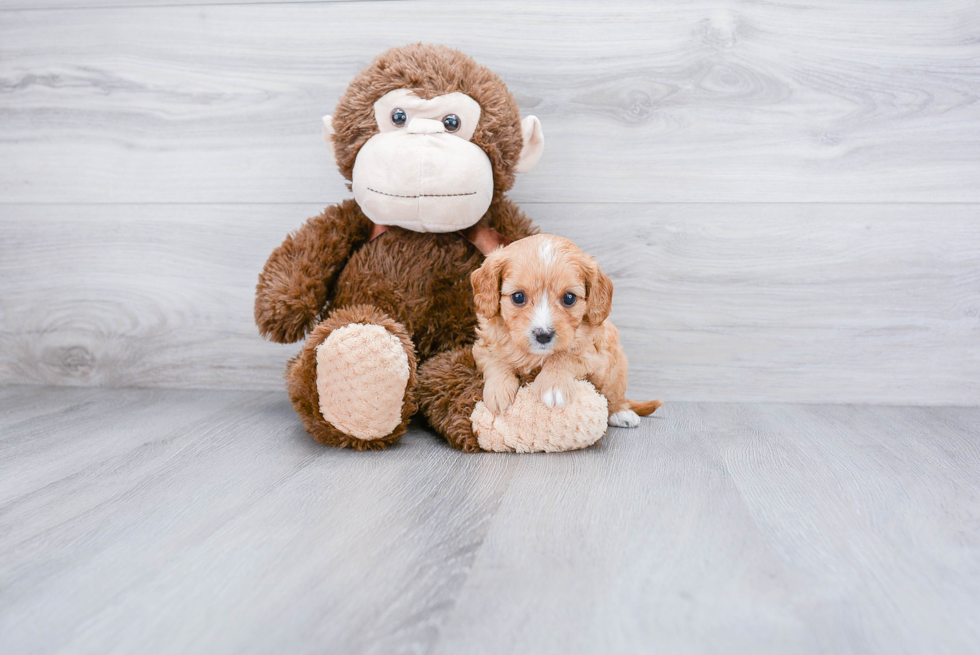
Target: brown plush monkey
(429, 141)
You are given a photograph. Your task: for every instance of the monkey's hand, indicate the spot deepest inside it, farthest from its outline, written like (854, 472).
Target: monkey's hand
(298, 278)
(499, 391)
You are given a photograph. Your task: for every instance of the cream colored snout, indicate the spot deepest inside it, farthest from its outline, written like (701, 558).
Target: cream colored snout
(422, 178)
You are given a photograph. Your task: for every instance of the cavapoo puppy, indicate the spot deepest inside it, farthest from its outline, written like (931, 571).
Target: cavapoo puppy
(542, 304)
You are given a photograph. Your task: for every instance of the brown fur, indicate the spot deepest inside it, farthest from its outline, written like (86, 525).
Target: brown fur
(298, 280)
(450, 387)
(416, 285)
(585, 344)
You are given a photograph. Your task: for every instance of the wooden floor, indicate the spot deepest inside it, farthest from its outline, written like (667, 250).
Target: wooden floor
(144, 521)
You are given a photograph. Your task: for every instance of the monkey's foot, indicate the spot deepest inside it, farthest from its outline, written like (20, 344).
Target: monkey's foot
(362, 372)
(353, 383)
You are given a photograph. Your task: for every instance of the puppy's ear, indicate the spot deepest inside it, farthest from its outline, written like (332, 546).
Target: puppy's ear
(486, 285)
(599, 292)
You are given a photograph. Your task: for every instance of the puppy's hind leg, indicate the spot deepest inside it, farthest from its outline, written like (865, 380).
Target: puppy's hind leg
(624, 418)
(627, 413)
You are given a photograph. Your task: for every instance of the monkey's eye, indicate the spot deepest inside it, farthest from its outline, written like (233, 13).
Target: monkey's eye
(398, 117)
(518, 298)
(569, 299)
(451, 122)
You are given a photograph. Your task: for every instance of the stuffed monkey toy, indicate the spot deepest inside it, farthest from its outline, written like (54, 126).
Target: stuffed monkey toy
(379, 285)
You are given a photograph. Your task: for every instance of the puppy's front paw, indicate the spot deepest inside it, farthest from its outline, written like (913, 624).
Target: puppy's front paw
(554, 392)
(554, 397)
(499, 396)
(626, 418)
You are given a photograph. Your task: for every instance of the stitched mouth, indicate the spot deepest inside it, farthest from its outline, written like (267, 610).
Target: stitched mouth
(423, 195)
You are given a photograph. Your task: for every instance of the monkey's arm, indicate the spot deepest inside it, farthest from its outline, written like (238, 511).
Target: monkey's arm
(298, 278)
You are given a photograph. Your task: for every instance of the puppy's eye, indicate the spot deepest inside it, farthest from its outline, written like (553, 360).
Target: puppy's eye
(569, 299)
(398, 117)
(451, 122)
(518, 298)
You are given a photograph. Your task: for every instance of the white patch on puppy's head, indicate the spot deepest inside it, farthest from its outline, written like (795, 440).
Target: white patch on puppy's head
(547, 252)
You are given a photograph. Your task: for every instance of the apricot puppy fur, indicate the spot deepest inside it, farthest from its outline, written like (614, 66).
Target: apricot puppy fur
(543, 304)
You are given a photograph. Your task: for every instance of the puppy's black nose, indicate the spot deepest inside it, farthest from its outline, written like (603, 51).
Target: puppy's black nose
(543, 336)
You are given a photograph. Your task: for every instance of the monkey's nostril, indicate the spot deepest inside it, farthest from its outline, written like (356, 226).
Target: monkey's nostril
(543, 336)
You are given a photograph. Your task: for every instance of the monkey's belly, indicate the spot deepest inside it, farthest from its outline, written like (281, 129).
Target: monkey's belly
(421, 280)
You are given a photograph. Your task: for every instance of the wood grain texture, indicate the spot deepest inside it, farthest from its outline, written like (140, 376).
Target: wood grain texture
(135, 295)
(165, 521)
(43, 5)
(799, 101)
(806, 303)
(737, 529)
(785, 194)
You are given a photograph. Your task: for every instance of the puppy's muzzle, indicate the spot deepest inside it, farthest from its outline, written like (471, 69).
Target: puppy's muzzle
(542, 336)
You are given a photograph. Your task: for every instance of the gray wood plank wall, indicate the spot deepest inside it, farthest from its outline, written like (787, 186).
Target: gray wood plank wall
(786, 195)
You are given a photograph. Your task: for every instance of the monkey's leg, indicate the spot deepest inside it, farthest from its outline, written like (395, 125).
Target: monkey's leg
(353, 384)
(449, 388)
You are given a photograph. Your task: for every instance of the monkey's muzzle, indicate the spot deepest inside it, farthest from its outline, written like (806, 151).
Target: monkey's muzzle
(422, 181)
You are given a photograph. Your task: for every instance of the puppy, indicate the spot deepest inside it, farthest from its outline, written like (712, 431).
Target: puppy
(542, 304)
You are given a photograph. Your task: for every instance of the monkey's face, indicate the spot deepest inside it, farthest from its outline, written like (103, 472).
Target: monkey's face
(444, 140)
(421, 171)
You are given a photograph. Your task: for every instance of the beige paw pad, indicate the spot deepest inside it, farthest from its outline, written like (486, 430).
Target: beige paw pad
(530, 426)
(361, 375)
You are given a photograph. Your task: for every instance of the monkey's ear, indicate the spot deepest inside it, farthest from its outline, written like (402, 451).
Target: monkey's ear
(486, 285)
(533, 144)
(328, 131)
